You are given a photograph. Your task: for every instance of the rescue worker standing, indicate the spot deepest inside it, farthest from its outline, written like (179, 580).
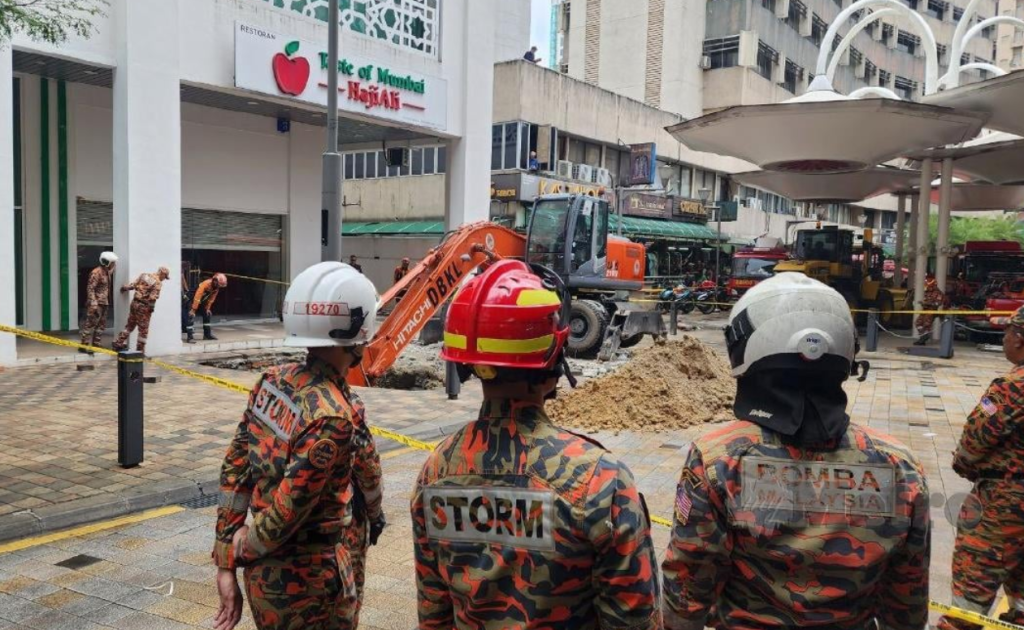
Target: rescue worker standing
(301, 460)
(932, 301)
(97, 299)
(401, 270)
(791, 516)
(147, 291)
(989, 551)
(203, 301)
(516, 522)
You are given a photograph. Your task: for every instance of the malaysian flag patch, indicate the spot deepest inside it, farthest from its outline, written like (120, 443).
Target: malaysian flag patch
(988, 406)
(683, 505)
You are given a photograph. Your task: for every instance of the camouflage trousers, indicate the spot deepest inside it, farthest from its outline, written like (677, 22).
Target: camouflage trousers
(923, 323)
(95, 322)
(309, 587)
(138, 317)
(989, 552)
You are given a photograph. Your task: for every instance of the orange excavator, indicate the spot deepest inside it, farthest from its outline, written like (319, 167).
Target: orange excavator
(569, 234)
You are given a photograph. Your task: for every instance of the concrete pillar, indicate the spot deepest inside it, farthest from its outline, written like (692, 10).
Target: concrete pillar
(901, 223)
(8, 346)
(942, 242)
(468, 180)
(921, 255)
(147, 159)
(912, 240)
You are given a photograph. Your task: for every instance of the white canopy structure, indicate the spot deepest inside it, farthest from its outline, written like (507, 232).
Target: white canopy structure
(848, 187)
(1000, 98)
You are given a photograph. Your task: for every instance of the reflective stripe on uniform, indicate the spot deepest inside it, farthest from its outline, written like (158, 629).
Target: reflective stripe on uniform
(457, 342)
(514, 346)
(537, 297)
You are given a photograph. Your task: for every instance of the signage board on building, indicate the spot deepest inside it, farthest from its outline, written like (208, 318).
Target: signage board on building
(506, 187)
(646, 205)
(285, 66)
(527, 187)
(729, 210)
(642, 164)
(690, 210)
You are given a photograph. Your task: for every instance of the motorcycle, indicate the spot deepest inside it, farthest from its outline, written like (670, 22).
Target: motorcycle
(681, 296)
(707, 297)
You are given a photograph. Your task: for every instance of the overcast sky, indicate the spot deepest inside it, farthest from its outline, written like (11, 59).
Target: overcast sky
(540, 27)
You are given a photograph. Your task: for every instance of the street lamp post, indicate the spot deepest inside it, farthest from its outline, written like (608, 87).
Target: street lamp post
(330, 214)
(705, 194)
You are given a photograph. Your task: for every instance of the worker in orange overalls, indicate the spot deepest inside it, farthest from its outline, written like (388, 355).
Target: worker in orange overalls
(205, 296)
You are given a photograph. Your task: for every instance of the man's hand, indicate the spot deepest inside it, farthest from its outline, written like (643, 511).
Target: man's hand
(209, 314)
(238, 540)
(125, 289)
(376, 527)
(230, 610)
(191, 313)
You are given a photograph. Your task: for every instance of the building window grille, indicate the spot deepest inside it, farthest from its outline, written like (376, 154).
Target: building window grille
(797, 12)
(767, 59)
(724, 51)
(768, 4)
(883, 77)
(870, 70)
(907, 42)
(410, 24)
(937, 8)
(887, 33)
(906, 88)
(818, 29)
(794, 75)
(856, 56)
(957, 14)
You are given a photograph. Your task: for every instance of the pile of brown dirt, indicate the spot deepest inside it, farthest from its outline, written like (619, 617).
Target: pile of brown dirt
(673, 386)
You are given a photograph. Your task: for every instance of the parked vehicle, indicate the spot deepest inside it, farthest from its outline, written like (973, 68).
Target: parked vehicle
(682, 296)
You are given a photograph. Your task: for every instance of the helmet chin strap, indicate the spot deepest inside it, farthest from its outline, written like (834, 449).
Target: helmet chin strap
(566, 369)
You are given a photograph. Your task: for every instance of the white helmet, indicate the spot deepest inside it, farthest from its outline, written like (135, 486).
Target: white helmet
(106, 258)
(330, 304)
(791, 320)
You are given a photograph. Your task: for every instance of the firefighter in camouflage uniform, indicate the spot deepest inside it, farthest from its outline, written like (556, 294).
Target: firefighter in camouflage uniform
(791, 516)
(933, 300)
(304, 463)
(518, 523)
(97, 299)
(147, 292)
(989, 550)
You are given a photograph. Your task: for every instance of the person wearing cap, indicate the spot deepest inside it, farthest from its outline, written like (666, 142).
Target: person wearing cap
(932, 301)
(518, 523)
(791, 516)
(206, 295)
(97, 299)
(989, 549)
(401, 270)
(303, 462)
(147, 292)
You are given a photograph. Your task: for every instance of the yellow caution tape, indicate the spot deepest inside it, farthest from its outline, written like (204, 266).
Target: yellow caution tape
(989, 313)
(972, 617)
(267, 280)
(661, 521)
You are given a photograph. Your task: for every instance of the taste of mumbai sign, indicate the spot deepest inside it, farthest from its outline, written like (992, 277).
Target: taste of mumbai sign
(285, 66)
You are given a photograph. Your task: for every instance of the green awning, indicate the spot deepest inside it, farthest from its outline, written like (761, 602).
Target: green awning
(669, 230)
(393, 228)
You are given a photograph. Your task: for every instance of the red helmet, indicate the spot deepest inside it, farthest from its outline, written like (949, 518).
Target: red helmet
(707, 284)
(508, 316)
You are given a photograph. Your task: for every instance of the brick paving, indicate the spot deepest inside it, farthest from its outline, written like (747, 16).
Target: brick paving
(57, 437)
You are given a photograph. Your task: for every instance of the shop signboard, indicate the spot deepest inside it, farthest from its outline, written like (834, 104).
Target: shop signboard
(285, 66)
(526, 187)
(646, 205)
(690, 210)
(642, 164)
(729, 210)
(506, 187)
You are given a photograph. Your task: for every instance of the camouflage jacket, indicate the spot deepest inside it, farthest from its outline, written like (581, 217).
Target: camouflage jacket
(146, 287)
(774, 536)
(933, 298)
(299, 447)
(98, 289)
(992, 444)
(520, 524)
(206, 295)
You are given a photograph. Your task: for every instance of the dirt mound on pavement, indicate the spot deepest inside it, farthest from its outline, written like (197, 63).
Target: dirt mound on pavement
(673, 386)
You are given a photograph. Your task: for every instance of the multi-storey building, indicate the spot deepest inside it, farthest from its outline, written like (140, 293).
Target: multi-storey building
(1010, 45)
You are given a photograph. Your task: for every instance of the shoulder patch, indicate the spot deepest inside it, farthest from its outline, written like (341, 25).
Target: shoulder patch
(275, 410)
(521, 518)
(683, 505)
(988, 407)
(323, 454)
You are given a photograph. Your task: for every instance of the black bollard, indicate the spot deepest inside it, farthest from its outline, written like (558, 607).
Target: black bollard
(871, 343)
(129, 409)
(946, 338)
(673, 318)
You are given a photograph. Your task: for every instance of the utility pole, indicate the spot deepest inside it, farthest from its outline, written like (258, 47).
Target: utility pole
(718, 249)
(330, 214)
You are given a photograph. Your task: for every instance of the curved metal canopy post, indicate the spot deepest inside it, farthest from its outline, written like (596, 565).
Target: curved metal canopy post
(951, 78)
(931, 74)
(875, 90)
(980, 65)
(847, 41)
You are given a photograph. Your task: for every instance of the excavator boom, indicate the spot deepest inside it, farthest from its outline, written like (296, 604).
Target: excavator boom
(426, 288)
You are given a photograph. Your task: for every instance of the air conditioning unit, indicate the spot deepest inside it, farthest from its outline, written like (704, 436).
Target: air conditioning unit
(583, 172)
(565, 169)
(603, 177)
(705, 62)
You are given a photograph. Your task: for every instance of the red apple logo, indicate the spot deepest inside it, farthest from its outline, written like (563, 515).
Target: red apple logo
(291, 73)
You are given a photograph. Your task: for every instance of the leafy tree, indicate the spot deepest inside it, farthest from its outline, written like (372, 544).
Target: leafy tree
(51, 21)
(963, 229)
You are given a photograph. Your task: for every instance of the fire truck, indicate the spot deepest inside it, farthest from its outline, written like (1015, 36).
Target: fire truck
(751, 265)
(974, 267)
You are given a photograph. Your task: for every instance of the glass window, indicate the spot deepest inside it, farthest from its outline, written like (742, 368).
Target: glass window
(685, 174)
(442, 159)
(524, 146)
(350, 162)
(593, 155)
(371, 164)
(382, 168)
(576, 151)
(417, 161)
(496, 136)
(429, 155)
(360, 172)
(611, 162)
(511, 144)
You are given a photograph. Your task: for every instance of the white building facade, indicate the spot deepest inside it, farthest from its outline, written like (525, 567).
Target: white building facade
(191, 131)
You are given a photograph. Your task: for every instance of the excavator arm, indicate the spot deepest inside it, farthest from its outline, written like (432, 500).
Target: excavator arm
(427, 286)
